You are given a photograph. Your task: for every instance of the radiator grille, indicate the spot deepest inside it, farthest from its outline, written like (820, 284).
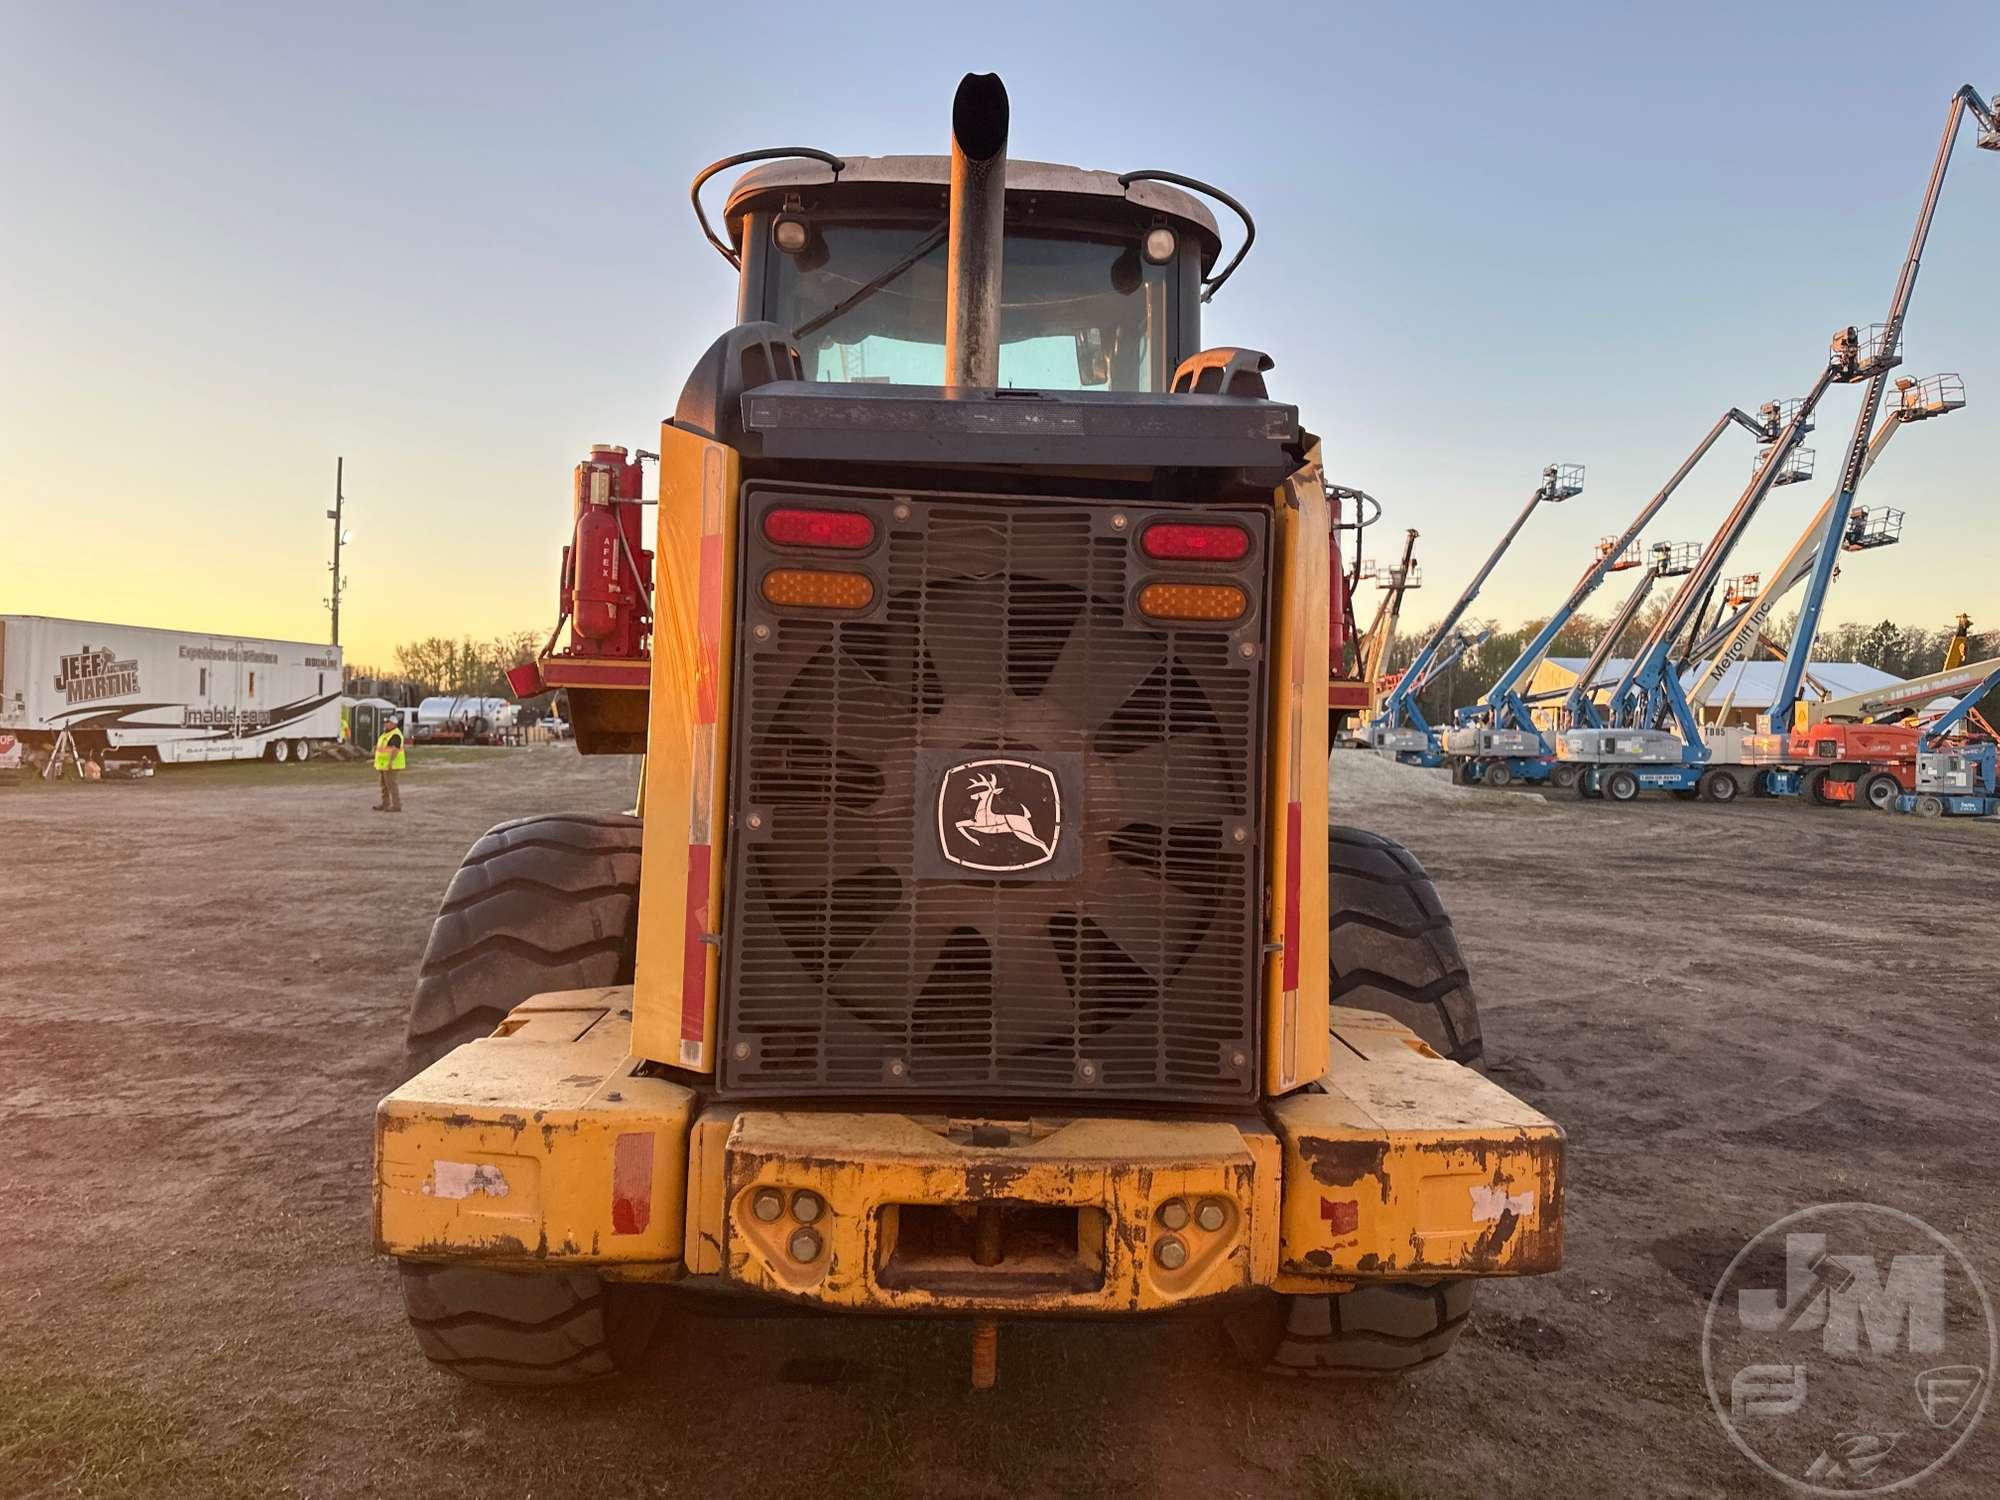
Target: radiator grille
(1127, 962)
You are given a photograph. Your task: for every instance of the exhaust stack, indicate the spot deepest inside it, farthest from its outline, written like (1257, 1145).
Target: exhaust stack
(978, 221)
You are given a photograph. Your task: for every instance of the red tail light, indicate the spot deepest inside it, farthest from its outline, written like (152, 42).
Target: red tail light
(790, 526)
(1187, 541)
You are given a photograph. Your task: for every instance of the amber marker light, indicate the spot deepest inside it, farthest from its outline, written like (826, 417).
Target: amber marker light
(813, 588)
(1193, 601)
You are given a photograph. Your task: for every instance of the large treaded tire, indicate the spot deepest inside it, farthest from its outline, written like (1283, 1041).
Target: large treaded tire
(1370, 1333)
(1392, 945)
(539, 904)
(498, 1328)
(1393, 951)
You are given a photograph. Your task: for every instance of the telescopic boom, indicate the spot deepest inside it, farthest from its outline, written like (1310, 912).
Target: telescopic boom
(1887, 338)
(1502, 700)
(1559, 482)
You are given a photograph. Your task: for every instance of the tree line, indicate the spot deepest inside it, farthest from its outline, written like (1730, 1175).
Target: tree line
(440, 665)
(1900, 650)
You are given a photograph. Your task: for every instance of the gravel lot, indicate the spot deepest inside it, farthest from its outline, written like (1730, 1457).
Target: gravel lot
(1736, 1012)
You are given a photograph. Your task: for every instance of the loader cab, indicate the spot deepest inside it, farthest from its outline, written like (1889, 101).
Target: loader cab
(1101, 286)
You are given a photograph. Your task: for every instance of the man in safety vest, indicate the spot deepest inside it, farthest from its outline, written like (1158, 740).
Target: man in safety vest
(389, 765)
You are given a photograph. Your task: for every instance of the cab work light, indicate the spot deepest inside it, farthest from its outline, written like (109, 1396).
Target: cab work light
(813, 588)
(790, 526)
(1187, 541)
(1193, 601)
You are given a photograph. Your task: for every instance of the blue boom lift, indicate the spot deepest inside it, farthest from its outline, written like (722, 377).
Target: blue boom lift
(1496, 741)
(1401, 726)
(1889, 335)
(1639, 751)
(1623, 750)
(1733, 637)
(1579, 706)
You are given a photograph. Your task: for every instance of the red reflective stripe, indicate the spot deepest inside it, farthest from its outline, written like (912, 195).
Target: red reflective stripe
(632, 1184)
(1294, 821)
(708, 632)
(694, 958)
(707, 693)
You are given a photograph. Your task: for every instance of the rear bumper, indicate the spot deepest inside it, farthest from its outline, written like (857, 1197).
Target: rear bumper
(547, 1147)
(1073, 1212)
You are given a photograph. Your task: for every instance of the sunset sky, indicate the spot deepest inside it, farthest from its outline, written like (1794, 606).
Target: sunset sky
(452, 243)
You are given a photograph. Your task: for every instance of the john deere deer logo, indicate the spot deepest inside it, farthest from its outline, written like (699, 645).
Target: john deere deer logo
(999, 815)
(985, 820)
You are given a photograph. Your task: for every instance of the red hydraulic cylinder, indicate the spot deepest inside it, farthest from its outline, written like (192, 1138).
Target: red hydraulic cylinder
(607, 575)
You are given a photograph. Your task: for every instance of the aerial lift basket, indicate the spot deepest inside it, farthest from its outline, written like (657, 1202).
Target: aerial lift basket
(1777, 415)
(1387, 576)
(1629, 558)
(1863, 352)
(1675, 559)
(1880, 527)
(1933, 397)
(1796, 465)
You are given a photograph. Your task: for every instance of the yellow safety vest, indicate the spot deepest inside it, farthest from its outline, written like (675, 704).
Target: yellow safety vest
(389, 750)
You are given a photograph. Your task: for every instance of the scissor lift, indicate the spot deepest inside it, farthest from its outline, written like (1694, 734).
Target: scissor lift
(1955, 780)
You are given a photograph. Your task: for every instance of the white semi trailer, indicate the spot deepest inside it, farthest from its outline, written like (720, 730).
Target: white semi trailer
(133, 694)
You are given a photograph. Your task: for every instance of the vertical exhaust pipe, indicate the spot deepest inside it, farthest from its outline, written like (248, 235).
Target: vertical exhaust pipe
(978, 223)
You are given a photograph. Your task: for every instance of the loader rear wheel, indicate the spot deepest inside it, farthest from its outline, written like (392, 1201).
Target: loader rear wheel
(1815, 788)
(1564, 777)
(1371, 1333)
(1499, 774)
(539, 904)
(499, 1328)
(1392, 946)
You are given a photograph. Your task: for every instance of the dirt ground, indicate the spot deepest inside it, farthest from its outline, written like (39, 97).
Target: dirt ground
(1736, 1012)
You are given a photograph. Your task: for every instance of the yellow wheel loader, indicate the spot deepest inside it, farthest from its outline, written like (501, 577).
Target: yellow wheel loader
(984, 949)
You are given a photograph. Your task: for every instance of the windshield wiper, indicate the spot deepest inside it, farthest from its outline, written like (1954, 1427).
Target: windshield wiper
(868, 289)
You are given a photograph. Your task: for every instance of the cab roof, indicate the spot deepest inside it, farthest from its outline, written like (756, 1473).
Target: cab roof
(1023, 177)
